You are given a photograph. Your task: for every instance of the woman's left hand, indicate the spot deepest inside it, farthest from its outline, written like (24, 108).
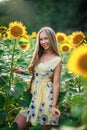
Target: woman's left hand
(56, 112)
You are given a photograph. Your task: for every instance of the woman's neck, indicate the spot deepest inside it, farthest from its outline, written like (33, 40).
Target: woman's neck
(48, 52)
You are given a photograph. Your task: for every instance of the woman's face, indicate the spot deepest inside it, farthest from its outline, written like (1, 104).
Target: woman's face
(44, 41)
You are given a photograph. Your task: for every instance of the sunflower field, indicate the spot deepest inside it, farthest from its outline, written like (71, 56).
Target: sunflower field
(16, 51)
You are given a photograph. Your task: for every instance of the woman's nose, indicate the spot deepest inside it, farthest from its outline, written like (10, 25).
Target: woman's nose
(44, 41)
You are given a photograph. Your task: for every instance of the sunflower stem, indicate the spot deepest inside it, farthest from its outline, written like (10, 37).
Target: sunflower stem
(11, 75)
(12, 61)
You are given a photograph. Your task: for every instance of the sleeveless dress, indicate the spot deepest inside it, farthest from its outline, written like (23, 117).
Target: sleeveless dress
(40, 108)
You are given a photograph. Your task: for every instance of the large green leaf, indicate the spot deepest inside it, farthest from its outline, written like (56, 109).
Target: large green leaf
(3, 114)
(1, 52)
(66, 76)
(4, 128)
(2, 100)
(3, 80)
(18, 89)
(24, 101)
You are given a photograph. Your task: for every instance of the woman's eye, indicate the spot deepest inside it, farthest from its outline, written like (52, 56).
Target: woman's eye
(40, 39)
(43, 39)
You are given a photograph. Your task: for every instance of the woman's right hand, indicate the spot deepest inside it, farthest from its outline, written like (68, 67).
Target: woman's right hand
(17, 70)
(56, 112)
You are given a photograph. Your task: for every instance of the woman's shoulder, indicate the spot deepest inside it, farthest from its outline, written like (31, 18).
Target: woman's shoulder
(57, 59)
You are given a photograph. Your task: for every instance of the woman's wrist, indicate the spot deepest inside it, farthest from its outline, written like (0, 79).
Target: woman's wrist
(25, 73)
(53, 106)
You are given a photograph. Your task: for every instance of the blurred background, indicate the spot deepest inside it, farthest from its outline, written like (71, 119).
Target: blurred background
(62, 15)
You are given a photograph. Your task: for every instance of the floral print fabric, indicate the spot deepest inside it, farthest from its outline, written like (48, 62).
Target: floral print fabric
(39, 111)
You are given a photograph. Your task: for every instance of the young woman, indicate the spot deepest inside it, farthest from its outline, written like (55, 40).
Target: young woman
(45, 68)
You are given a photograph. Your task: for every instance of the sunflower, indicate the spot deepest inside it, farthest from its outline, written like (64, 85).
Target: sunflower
(27, 36)
(77, 62)
(0, 36)
(6, 35)
(33, 35)
(61, 37)
(17, 29)
(3, 29)
(77, 38)
(69, 39)
(24, 47)
(65, 47)
(23, 39)
(24, 44)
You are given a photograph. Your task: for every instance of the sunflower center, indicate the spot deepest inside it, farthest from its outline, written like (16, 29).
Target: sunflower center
(16, 31)
(2, 29)
(82, 63)
(65, 48)
(6, 35)
(60, 38)
(77, 39)
(23, 46)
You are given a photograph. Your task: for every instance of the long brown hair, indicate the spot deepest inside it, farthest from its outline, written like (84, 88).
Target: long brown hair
(39, 50)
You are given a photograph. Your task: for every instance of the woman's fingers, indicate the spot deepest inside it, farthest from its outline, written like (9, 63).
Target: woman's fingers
(16, 70)
(56, 112)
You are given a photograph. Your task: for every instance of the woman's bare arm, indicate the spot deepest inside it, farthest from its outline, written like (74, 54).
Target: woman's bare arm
(20, 71)
(56, 88)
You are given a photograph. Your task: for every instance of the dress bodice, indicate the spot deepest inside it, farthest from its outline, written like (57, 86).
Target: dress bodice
(46, 69)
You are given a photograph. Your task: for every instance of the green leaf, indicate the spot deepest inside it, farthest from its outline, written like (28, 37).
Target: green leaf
(76, 111)
(6, 89)
(3, 114)
(22, 43)
(1, 52)
(18, 89)
(66, 76)
(25, 100)
(35, 128)
(3, 80)
(14, 126)
(2, 100)
(4, 128)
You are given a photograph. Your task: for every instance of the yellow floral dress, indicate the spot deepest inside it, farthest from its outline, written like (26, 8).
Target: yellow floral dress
(40, 108)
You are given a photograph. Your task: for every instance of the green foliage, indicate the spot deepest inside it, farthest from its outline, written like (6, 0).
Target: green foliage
(13, 87)
(72, 97)
(35, 128)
